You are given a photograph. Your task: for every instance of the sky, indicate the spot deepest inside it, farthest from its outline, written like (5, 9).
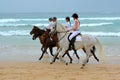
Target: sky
(59, 5)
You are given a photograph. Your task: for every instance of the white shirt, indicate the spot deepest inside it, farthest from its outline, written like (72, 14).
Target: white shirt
(68, 25)
(50, 25)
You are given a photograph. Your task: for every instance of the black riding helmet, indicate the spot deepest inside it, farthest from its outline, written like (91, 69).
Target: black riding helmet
(68, 18)
(75, 15)
(50, 19)
(54, 18)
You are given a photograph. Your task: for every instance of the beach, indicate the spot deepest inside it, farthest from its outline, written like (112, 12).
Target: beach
(27, 67)
(19, 54)
(58, 71)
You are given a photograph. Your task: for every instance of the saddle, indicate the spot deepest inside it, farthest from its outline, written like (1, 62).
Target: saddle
(74, 38)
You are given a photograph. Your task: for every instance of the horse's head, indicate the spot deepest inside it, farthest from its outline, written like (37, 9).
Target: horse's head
(57, 27)
(35, 28)
(37, 32)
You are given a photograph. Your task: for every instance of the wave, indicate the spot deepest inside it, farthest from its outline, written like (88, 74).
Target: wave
(46, 24)
(101, 18)
(14, 33)
(103, 34)
(63, 19)
(8, 20)
(26, 32)
(17, 25)
(14, 25)
(83, 25)
(16, 20)
(96, 24)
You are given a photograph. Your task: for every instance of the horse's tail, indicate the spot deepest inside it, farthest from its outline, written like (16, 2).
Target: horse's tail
(99, 45)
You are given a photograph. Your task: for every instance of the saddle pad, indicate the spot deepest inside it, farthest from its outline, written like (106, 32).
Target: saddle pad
(78, 38)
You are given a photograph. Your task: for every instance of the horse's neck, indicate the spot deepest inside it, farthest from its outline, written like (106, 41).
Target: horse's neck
(41, 39)
(61, 31)
(61, 28)
(40, 32)
(60, 35)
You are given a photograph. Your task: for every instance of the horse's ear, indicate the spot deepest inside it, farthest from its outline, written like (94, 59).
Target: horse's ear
(34, 26)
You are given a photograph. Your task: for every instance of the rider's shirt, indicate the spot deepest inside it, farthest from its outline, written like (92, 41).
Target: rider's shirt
(76, 28)
(50, 25)
(68, 25)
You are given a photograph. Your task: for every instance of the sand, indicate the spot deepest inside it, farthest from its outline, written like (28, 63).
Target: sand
(58, 71)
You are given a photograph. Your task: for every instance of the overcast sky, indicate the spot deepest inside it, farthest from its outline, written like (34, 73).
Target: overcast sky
(59, 5)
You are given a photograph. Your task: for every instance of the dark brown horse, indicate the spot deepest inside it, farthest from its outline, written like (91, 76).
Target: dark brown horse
(46, 40)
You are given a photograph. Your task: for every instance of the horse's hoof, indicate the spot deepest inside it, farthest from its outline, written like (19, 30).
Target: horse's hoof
(98, 60)
(51, 63)
(71, 62)
(82, 67)
(39, 59)
(66, 63)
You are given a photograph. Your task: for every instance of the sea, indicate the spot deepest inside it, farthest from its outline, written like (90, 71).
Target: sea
(16, 41)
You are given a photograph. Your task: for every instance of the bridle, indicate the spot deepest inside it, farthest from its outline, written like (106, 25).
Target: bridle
(59, 32)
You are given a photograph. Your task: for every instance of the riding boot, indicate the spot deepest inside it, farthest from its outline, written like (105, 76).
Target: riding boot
(71, 45)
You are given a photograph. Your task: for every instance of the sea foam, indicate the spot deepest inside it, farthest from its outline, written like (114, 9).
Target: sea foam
(59, 19)
(26, 32)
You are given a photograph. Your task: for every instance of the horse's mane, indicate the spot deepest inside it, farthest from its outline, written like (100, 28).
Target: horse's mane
(61, 26)
(38, 31)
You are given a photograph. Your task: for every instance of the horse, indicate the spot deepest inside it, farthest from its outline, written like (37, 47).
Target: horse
(45, 40)
(88, 43)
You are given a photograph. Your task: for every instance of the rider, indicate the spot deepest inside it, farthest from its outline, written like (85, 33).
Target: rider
(50, 23)
(54, 39)
(74, 30)
(68, 24)
(55, 35)
(54, 19)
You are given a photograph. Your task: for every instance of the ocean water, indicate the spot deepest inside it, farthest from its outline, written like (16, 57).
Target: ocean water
(15, 28)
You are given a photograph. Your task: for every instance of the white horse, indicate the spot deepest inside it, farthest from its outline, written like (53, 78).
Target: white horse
(88, 44)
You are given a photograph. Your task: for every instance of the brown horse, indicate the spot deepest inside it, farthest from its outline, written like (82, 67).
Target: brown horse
(47, 41)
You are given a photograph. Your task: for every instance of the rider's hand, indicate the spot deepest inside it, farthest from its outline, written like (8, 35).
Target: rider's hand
(68, 30)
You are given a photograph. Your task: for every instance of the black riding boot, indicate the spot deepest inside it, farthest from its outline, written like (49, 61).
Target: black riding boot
(71, 45)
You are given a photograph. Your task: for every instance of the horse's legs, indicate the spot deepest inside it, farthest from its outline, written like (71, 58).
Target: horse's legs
(55, 56)
(60, 56)
(93, 52)
(67, 55)
(76, 54)
(88, 55)
(84, 50)
(85, 61)
(57, 45)
(51, 51)
(64, 54)
(42, 48)
(43, 53)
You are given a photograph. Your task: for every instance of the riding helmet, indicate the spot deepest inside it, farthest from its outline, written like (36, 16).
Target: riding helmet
(75, 15)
